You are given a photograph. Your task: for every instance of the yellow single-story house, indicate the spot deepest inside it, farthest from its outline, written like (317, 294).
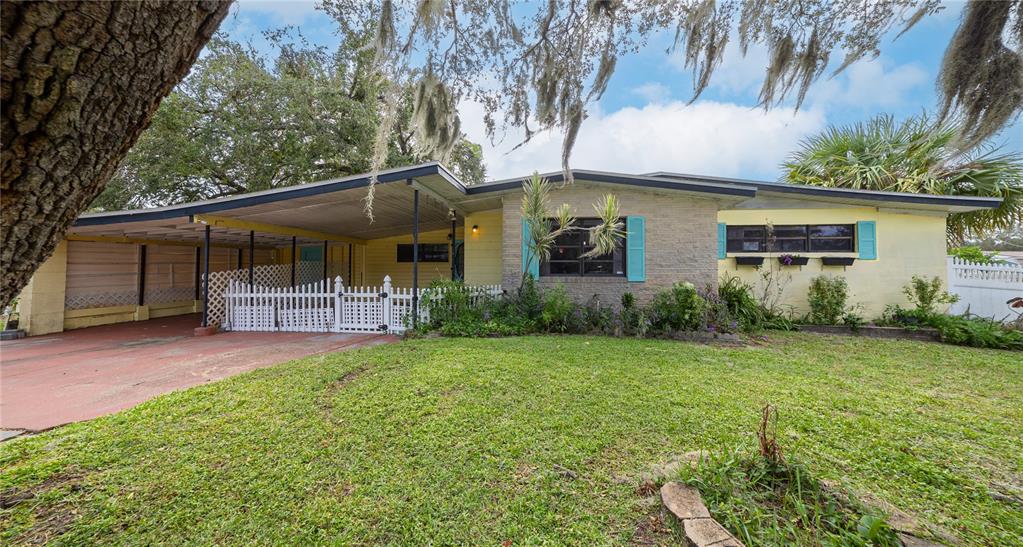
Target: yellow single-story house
(139, 264)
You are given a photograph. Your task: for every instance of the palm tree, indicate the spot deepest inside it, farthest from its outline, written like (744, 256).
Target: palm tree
(920, 156)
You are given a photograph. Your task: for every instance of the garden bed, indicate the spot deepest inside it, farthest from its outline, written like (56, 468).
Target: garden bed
(896, 333)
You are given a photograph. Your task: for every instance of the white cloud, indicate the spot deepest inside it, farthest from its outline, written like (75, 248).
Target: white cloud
(870, 84)
(283, 12)
(708, 138)
(653, 92)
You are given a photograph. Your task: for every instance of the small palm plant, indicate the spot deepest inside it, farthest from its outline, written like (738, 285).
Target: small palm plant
(545, 228)
(542, 229)
(605, 236)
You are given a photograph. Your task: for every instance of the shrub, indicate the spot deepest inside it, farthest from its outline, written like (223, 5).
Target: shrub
(679, 308)
(926, 294)
(737, 296)
(974, 254)
(597, 318)
(527, 300)
(448, 301)
(558, 313)
(717, 316)
(976, 332)
(633, 318)
(827, 299)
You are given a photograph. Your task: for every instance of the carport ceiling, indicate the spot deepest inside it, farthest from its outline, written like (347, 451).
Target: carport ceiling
(340, 213)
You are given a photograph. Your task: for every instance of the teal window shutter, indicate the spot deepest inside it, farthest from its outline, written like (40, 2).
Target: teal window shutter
(722, 240)
(635, 246)
(530, 264)
(866, 239)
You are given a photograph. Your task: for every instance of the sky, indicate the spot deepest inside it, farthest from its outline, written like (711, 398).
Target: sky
(643, 122)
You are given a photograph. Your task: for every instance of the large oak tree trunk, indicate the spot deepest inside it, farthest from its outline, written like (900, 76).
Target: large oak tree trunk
(81, 80)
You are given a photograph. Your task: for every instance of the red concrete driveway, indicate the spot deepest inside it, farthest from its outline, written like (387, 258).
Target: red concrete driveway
(56, 379)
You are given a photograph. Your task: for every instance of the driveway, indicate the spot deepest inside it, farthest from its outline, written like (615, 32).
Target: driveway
(46, 381)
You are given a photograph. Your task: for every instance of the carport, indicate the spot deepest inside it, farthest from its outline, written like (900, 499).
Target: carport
(151, 263)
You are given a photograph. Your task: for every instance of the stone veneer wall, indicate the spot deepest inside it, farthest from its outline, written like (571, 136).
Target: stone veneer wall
(681, 240)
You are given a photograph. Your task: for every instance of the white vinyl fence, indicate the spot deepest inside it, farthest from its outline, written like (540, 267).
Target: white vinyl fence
(984, 289)
(329, 307)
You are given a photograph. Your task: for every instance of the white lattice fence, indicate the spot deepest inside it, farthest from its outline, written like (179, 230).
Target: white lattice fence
(984, 289)
(267, 276)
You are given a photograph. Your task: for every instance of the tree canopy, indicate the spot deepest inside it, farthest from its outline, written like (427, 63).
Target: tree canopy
(538, 66)
(918, 155)
(241, 122)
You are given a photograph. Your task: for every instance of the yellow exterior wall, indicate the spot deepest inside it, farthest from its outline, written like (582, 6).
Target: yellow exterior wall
(907, 245)
(381, 259)
(41, 303)
(483, 248)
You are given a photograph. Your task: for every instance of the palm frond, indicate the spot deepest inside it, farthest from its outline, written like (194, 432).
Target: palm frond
(605, 236)
(918, 155)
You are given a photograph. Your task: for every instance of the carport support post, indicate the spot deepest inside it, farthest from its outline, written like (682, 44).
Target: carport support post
(325, 264)
(142, 275)
(252, 257)
(415, 257)
(453, 220)
(206, 279)
(293, 259)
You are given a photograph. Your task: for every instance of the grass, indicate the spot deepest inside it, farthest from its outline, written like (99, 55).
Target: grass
(521, 439)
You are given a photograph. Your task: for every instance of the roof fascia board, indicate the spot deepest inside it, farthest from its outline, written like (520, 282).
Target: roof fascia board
(626, 180)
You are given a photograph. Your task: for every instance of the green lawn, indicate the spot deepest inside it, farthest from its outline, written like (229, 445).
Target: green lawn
(522, 439)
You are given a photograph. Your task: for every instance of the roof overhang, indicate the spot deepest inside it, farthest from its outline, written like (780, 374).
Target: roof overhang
(331, 210)
(767, 191)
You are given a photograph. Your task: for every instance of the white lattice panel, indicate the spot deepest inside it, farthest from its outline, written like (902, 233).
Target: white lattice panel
(100, 300)
(271, 275)
(164, 295)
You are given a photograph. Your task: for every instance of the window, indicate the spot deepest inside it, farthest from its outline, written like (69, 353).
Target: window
(428, 252)
(793, 238)
(568, 250)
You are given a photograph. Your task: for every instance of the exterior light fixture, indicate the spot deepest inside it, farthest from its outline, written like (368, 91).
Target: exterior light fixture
(475, 228)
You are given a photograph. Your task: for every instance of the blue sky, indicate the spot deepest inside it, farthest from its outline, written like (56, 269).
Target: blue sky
(644, 124)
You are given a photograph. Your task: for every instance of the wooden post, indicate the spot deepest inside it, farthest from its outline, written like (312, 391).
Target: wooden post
(239, 258)
(142, 275)
(294, 259)
(351, 261)
(252, 258)
(325, 250)
(198, 261)
(452, 254)
(206, 280)
(415, 257)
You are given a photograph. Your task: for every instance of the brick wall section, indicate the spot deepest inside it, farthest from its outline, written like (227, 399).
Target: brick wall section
(681, 240)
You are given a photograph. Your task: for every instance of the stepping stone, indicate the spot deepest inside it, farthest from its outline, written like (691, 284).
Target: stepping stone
(683, 501)
(9, 433)
(708, 533)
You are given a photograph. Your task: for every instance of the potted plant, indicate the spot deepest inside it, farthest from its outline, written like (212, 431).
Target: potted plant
(793, 260)
(837, 260)
(749, 260)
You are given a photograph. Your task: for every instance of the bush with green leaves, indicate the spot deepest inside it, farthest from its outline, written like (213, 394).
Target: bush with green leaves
(597, 318)
(633, 318)
(737, 296)
(974, 254)
(679, 308)
(926, 294)
(559, 311)
(448, 301)
(827, 299)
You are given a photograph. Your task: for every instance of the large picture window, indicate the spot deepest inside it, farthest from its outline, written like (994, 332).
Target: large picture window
(792, 238)
(428, 252)
(568, 250)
